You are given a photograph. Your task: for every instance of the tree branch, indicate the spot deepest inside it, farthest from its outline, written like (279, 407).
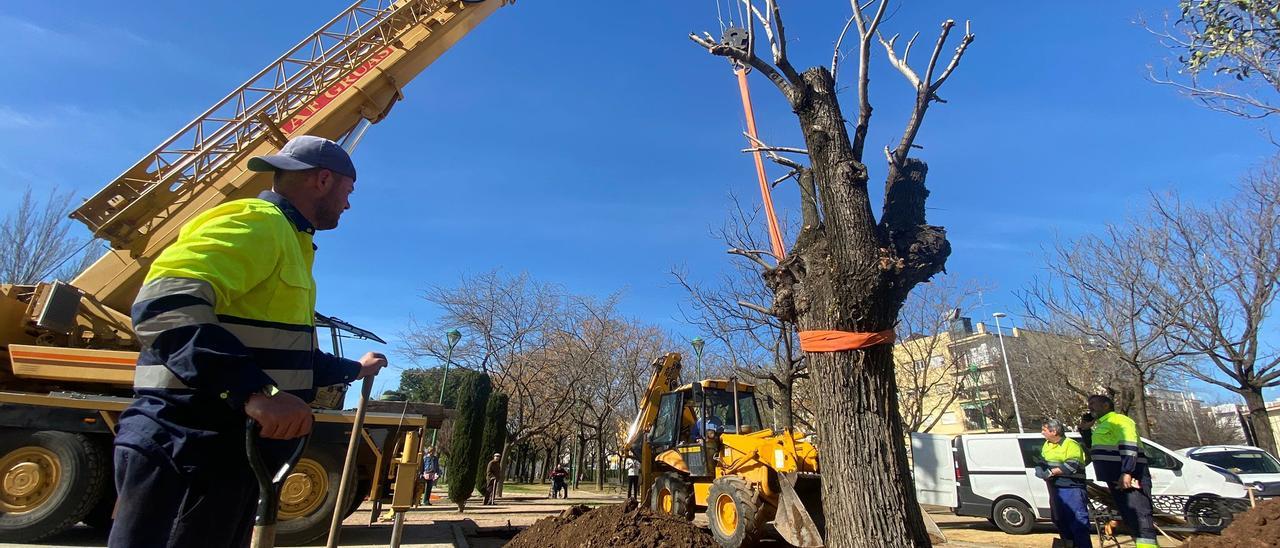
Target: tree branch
(865, 32)
(744, 57)
(754, 255)
(756, 308)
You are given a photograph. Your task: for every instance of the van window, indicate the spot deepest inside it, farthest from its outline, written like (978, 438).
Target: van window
(1030, 451)
(1157, 458)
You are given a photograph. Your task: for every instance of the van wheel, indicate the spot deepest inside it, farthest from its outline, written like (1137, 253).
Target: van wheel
(1205, 513)
(1013, 516)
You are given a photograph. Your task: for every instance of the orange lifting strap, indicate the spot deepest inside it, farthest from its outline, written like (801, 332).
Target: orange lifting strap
(810, 341)
(775, 235)
(839, 341)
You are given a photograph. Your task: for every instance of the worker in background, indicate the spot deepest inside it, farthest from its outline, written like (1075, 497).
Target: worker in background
(225, 317)
(1063, 471)
(1118, 460)
(633, 478)
(492, 479)
(430, 473)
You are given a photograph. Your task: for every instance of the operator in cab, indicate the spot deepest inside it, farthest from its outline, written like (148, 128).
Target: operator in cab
(225, 317)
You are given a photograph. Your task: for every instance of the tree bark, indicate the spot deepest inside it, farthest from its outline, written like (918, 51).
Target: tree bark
(850, 274)
(1259, 420)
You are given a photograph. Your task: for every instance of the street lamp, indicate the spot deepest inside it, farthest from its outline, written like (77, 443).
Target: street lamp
(453, 336)
(698, 343)
(1012, 393)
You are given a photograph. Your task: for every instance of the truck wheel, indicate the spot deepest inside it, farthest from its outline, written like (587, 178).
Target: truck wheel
(310, 495)
(48, 482)
(99, 517)
(1013, 516)
(733, 510)
(672, 495)
(362, 487)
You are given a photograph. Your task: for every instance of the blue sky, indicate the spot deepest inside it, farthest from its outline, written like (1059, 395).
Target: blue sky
(592, 145)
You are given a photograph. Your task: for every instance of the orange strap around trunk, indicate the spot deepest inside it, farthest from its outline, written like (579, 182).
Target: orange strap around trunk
(838, 341)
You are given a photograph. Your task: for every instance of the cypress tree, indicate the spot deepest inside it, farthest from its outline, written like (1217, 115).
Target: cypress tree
(495, 435)
(464, 454)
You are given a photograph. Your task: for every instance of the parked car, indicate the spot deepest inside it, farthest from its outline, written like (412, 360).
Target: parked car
(993, 476)
(1258, 469)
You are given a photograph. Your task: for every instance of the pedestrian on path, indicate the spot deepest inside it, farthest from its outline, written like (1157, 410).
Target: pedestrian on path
(430, 473)
(633, 478)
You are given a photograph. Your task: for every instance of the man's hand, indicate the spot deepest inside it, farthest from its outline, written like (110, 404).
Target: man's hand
(283, 416)
(371, 363)
(1055, 472)
(1086, 425)
(1126, 481)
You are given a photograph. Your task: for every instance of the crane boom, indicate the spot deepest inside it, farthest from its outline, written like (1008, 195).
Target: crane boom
(351, 68)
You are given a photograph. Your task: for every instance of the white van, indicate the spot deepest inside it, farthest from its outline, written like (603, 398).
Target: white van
(993, 476)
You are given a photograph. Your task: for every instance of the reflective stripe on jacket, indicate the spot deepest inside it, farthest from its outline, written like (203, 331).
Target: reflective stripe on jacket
(1115, 448)
(1069, 457)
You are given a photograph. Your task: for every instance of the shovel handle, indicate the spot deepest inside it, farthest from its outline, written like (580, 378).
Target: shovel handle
(348, 465)
(264, 520)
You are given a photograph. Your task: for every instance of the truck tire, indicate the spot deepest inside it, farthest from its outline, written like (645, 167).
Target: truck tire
(672, 495)
(49, 481)
(1013, 516)
(362, 486)
(99, 517)
(734, 513)
(310, 495)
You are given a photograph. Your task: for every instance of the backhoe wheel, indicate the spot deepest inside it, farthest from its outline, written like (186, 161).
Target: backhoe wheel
(310, 495)
(734, 512)
(671, 494)
(48, 481)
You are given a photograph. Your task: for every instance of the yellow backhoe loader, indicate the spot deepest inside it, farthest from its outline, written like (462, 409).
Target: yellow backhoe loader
(702, 446)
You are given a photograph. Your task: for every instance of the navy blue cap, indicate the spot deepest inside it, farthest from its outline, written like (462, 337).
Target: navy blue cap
(306, 152)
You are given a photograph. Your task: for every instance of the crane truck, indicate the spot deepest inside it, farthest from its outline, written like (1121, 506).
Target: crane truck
(746, 477)
(67, 349)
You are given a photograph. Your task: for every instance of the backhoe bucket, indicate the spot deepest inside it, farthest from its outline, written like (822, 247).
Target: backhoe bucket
(799, 519)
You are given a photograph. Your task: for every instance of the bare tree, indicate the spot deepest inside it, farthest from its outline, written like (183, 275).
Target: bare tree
(1224, 265)
(1228, 55)
(1183, 422)
(849, 271)
(1104, 289)
(36, 241)
(735, 313)
(926, 363)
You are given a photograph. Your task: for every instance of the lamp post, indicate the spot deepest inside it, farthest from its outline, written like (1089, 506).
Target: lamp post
(1012, 393)
(698, 343)
(453, 336)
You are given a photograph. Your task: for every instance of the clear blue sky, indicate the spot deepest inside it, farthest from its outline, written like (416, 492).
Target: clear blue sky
(592, 144)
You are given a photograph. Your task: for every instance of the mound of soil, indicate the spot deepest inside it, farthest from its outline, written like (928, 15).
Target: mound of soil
(615, 525)
(1257, 528)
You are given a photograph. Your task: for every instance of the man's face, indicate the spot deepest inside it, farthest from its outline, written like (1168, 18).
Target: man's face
(333, 200)
(1048, 434)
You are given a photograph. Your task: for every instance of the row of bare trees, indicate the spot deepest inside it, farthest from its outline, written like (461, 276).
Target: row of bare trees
(1180, 289)
(573, 366)
(39, 242)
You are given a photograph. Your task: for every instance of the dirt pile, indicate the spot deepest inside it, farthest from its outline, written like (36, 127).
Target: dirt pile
(1257, 528)
(614, 525)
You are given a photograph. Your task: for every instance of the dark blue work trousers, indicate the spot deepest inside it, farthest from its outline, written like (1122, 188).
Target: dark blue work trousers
(1069, 508)
(160, 506)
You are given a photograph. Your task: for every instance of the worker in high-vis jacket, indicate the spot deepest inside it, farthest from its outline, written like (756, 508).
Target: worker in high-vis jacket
(226, 321)
(1118, 460)
(1062, 468)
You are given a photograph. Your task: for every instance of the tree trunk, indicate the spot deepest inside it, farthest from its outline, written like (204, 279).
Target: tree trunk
(582, 454)
(1140, 408)
(600, 459)
(847, 273)
(1259, 420)
(788, 406)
